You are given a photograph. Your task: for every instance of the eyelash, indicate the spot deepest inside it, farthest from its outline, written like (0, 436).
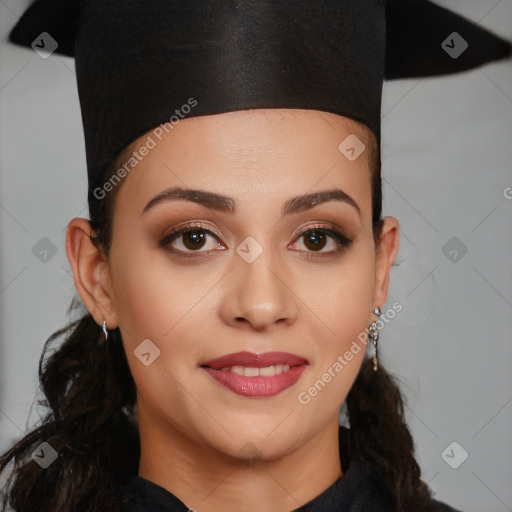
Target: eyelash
(343, 241)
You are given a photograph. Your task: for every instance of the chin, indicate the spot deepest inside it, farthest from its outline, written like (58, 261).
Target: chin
(251, 441)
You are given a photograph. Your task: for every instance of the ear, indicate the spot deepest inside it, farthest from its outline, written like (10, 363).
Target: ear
(90, 272)
(385, 257)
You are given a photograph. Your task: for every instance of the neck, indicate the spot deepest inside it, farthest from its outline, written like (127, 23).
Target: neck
(207, 480)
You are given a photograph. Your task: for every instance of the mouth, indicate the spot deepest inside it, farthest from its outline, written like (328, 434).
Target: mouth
(256, 375)
(266, 371)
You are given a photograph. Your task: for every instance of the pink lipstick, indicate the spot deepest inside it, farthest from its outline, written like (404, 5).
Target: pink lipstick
(256, 375)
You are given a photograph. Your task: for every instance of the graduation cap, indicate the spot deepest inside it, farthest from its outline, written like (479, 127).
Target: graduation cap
(146, 63)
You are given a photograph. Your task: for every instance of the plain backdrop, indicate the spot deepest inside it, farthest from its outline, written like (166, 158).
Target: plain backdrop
(447, 170)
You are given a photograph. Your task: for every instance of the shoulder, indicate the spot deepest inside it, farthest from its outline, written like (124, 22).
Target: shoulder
(140, 495)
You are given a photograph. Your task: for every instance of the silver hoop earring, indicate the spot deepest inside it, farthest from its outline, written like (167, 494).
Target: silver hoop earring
(105, 330)
(374, 336)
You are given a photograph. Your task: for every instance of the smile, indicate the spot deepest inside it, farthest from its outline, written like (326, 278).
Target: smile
(267, 371)
(256, 375)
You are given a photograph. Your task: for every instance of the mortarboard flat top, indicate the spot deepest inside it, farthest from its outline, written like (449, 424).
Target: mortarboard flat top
(139, 61)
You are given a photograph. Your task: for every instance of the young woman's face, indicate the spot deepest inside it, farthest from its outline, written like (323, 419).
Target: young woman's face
(256, 274)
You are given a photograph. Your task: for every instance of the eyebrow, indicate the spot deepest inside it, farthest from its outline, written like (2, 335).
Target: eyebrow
(228, 205)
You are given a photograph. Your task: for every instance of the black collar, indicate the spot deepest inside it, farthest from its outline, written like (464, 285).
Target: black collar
(352, 492)
(355, 491)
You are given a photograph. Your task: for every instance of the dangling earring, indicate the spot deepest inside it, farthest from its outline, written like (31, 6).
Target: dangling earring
(105, 330)
(374, 335)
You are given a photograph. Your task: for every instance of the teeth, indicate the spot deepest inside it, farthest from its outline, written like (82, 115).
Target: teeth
(268, 371)
(251, 372)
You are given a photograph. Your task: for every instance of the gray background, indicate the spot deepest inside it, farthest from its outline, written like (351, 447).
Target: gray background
(447, 161)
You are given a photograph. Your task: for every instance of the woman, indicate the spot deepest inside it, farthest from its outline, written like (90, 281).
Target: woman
(236, 262)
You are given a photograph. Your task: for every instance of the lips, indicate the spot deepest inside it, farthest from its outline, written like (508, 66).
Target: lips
(256, 375)
(249, 359)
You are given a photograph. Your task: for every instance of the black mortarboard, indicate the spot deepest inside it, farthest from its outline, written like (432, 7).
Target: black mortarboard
(140, 61)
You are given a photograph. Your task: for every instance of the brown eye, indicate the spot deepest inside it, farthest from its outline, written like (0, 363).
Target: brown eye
(190, 239)
(315, 239)
(193, 239)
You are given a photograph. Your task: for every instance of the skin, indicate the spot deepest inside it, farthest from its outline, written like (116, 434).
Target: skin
(196, 434)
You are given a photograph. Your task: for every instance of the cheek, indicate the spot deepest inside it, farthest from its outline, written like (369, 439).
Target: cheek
(344, 309)
(343, 296)
(155, 302)
(151, 296)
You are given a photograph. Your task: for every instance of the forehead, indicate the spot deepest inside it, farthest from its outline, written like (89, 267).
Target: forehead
(262, 152)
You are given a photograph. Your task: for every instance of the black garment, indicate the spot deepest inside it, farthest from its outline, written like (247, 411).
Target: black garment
(353, 492)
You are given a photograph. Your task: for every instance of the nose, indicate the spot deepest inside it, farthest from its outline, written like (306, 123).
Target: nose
(259, 295)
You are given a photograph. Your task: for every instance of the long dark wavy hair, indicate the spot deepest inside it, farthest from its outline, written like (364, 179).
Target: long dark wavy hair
(91, 419)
